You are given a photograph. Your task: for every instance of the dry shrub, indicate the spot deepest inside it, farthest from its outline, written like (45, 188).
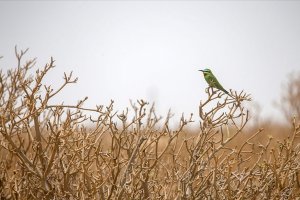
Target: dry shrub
(290, 98)
(49, 152)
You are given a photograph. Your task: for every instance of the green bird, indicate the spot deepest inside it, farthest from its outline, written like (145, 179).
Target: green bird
(212, 80)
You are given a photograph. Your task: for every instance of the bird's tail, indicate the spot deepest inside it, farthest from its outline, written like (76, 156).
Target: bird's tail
(225, 91)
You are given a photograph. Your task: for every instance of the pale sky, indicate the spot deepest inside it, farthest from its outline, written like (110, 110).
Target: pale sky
(125, 50)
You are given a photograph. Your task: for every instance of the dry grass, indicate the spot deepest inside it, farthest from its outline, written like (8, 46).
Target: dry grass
(49, 152)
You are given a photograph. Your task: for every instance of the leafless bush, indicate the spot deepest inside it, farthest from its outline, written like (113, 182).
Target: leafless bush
(290, 104)
(49, 152)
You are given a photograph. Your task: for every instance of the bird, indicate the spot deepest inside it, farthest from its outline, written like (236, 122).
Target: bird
(212, 80)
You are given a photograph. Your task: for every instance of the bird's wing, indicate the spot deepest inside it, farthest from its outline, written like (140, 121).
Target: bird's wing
(213, 82)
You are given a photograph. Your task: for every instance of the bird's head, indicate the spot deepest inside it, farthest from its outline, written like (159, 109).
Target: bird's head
(205, 71)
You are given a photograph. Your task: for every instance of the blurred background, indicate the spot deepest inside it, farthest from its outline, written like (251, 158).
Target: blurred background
(152, 50)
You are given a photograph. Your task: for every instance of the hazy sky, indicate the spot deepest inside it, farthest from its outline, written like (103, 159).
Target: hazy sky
(125, 50)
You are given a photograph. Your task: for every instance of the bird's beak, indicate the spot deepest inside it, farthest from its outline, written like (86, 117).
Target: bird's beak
(200, 70)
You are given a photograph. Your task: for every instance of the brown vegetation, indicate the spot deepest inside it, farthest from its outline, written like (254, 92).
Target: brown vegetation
(49, 152)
